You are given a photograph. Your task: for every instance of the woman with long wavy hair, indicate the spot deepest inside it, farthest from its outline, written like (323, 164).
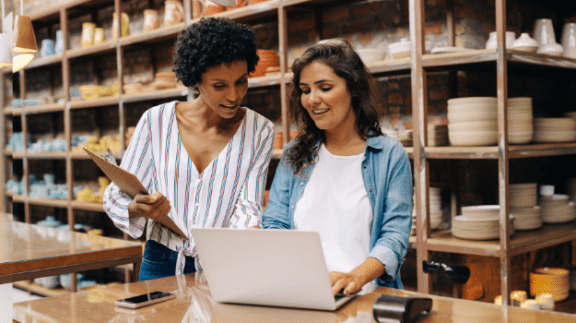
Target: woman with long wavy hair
(341, 176)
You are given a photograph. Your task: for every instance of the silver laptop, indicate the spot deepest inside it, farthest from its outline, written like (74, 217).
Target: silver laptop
(283, 268)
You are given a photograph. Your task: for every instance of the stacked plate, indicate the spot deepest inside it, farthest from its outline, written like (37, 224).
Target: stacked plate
(472, 121)
(436, 213)
(437, 135)
(404, 136)
(554, 281)
(557, 208)
(554, 129)
(480, 222)
(523, 200)
(520, 126)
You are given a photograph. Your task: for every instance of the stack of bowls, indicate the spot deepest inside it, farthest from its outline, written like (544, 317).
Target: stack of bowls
(557, 208)
(480, 222)
(437, 135)
(523, 200)
(369, 55)
(520, 120)
(404, 136)
(436, 213)
(554, 281)
(554, 129)
(472, 121)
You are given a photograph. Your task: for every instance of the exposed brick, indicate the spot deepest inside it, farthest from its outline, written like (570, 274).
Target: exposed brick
(443, 107)
(383, 26)
(431, 82)
(438, 95)
(366, 38)
(362, 11)
(355, 27)
(311, 35)
(408, 84)
(395, 98)
(401, 32)
(408, 100)
(393, 86)
(328, 32)
(433, 29)
(408, 110)
(293, 39)
(301, 25)
(336, 16)
(462, 12)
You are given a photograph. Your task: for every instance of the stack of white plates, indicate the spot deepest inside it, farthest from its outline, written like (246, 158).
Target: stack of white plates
(472, 121)
(557, 208)
(404, 136)
(437, 135)
(478, 228)
(436, 213)
(523, 200)
(554, 129)
(571, 188)
(520, 126)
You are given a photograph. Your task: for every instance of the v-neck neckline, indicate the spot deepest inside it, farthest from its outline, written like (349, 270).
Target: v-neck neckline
(183, 148)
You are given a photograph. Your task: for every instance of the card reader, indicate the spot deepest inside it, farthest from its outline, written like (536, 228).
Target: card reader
(397, 309)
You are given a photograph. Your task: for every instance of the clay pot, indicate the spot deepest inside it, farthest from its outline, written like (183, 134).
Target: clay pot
(212, 8)
(174, 13)
(267, 58)
(239, 3)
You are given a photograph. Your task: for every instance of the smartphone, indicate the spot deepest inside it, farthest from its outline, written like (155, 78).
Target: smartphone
(144, 299)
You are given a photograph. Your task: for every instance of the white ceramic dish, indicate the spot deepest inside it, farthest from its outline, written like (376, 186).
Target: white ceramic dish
(555, 136)
(525, 43)
(473, 126)
(471, 117)
(474, 107)
(449, 49)
(473, 138)
(473, 99)
(369, 55)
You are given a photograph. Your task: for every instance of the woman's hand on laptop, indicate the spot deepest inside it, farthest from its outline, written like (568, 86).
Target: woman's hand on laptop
(154, 206)
(353, 281)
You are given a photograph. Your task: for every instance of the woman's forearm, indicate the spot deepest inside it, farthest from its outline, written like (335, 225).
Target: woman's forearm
(369, 270)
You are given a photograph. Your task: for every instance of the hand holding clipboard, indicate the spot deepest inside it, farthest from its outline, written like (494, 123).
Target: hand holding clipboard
(129, 184)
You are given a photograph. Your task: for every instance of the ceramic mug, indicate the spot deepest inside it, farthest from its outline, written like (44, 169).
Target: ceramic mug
(569, 40)
(99, 36)
(59, 48)
(88, 34)
(125, 31)
(47, 48)
(150, 19)
(544, 31)
(174, 13)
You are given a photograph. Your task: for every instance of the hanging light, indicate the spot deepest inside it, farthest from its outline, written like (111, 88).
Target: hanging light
(24, 38)
(5, 53)
(20, 61)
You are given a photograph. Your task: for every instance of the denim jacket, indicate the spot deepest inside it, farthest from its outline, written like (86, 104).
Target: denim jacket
(388, 180)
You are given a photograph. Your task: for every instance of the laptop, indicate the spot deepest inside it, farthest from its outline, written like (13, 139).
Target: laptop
(284, 268)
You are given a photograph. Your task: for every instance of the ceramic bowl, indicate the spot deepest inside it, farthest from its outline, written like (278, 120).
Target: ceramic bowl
(474, 99)
(473, 138)
(267, 58)
(472, 116)
(400, 49)
(476, 107)
(48, 282)
(525, 43)
(551, 49)
(369, 55)
(544, 31)
(492, 42)
(473, 126)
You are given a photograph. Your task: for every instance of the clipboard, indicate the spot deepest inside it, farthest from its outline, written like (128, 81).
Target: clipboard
(128, 183)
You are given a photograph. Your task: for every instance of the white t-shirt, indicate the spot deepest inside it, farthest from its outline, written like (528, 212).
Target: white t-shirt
(335, 204)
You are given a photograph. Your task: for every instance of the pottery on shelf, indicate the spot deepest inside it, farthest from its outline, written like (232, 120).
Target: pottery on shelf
(492, 42)
(569, 40)
(525, 43)
(551, 49)
(544, 31)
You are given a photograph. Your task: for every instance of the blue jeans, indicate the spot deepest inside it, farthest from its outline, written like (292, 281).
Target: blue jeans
(160, 261)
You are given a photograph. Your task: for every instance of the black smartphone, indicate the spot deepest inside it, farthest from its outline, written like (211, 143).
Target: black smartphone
(144, 299)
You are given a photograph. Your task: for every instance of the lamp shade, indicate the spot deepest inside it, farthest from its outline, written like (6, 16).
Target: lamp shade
(5, 52)
(20, 61)
(24, 40)
(225, 3)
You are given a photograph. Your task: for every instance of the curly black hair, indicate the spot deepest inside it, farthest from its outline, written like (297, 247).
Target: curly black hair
(210, 42)
(345, 63)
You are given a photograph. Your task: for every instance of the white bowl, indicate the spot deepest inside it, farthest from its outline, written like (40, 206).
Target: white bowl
(369, 55)
(474, 99)
(551, 49)
(475, 107)
(520, 137)
(472, 116)
(473, 126)
(400, 49)
(525, 43)
(473, 138)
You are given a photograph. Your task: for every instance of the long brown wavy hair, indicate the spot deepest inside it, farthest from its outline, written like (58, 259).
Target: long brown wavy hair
(345, 62)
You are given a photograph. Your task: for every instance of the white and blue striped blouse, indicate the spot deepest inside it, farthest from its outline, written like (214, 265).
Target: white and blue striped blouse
(228, 193)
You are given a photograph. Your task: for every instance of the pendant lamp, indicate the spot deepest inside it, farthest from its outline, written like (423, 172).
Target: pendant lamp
(24, 39)
(5, 53)
(225, 3)
(20, 61)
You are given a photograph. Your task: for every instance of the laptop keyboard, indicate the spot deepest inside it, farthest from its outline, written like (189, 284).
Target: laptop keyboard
(339, 296)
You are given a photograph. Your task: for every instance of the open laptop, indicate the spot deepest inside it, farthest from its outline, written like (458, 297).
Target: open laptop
(283, 268)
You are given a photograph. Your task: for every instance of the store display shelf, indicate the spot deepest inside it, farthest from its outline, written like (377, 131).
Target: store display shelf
(153, 36)
(8, 111)
(34, 288)
(88, 206)
(100, 49)
(8, 152)
(46, 155)
(390, 66)
(44, 61)
(94, 103)
(82, 155)
(251, 12)
(266, 80)
(47, 202)
(541, 150)
(18, 155)
(521, 242)
(44, 108)
(448, 152)
(18, 198)
(156, 95)
(8, 193)
(491, 152)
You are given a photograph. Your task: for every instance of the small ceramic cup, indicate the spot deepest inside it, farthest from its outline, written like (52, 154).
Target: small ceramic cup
(525, 43)
(47, 48)
(99, 36)
(547, 190)
(492, 42)
(569, 40)
(544, 31)
(88, 34)
(530, 304)
(545, 301)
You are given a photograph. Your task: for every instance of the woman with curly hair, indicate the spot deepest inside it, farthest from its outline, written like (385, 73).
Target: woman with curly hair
(203, 161)
(341, 177)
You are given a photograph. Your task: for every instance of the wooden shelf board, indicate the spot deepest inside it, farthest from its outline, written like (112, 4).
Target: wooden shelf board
(34, 288)
(94, 103)
(266, 80)
(47, 202)
(251, 12)
(8, 111)
(277, 153)
(8, 152)
(521, 242)
(99, 49)
(539, 150)
(18, 155)
(81, 155)
(389, 66)
(153, 36)
(46, 155)
(43, 108)
(156, 95)
(87, 206)
(8, 193)
(18, 198)
(448, 152)
(540, 59)
(6, 70)
(44, 61)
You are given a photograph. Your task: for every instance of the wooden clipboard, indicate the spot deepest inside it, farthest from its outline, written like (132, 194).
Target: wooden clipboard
(128, 183)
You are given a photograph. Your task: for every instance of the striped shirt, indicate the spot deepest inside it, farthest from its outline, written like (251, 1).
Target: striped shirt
(228, 193)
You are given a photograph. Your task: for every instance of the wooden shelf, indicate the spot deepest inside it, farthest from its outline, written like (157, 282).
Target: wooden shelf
(43, 108)
(18, 155)
(34, 288)
(390, 66)
(43, 201)
(8, 193)
(45, 61)
(156, 95)
(153, 36)
(87, 206)
(100, 49)
(521, 242)
(8, 111)
(266, 80)
(277, 153)
(81, 155)
(8, 152)
(46, 155)
(94, 103)
(251, 12)
(491, 152)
